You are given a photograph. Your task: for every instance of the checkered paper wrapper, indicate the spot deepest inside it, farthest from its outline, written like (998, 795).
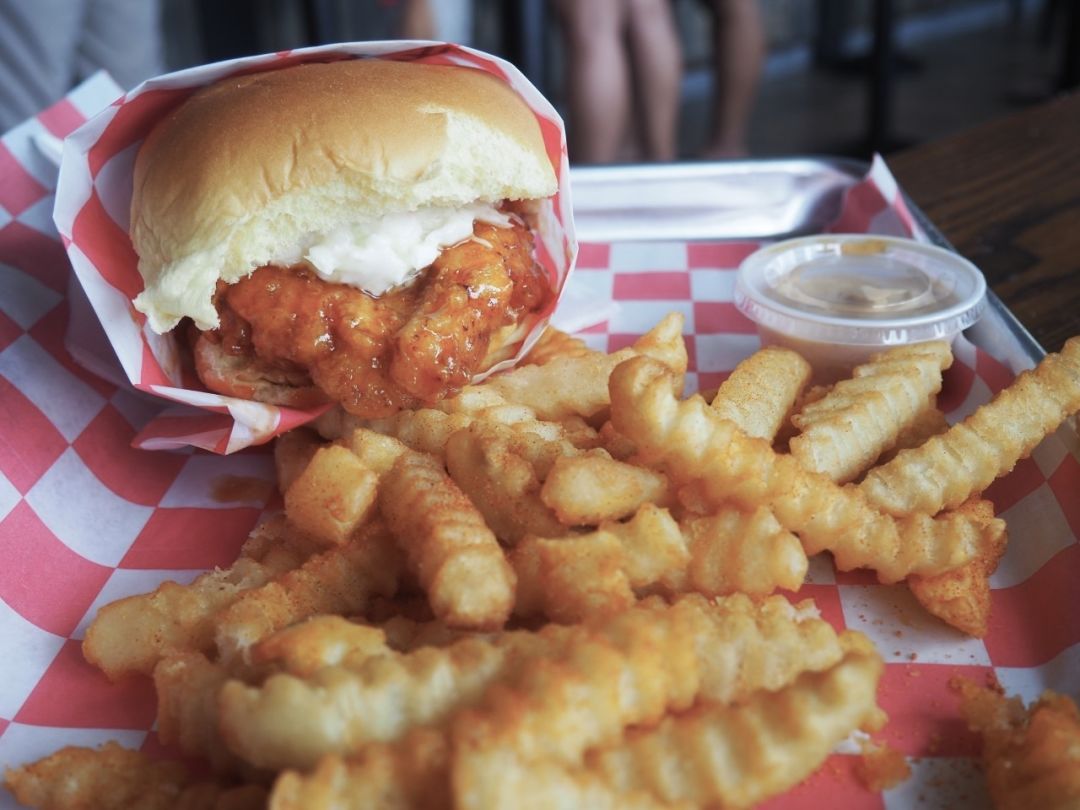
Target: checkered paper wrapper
(93, 200)
(85, 518)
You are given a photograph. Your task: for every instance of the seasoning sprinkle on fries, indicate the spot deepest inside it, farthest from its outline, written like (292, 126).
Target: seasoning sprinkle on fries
(555, 588)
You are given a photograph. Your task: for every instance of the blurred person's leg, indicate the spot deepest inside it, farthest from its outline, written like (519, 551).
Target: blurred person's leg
(657, 57)
(124, 38)
(38, 41)
(417, 20)
(739, 50)
(597, 78)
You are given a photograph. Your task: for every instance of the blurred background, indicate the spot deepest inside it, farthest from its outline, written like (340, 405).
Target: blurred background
(636, 79)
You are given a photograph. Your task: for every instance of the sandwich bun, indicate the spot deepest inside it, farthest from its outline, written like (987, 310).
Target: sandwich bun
(250, 167)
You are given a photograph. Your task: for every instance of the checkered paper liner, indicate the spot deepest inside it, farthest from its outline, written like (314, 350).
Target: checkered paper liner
(93, 201)
(85, 518)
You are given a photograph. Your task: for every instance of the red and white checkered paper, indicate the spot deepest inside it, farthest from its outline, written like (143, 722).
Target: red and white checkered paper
(85, 518)
(93, 201)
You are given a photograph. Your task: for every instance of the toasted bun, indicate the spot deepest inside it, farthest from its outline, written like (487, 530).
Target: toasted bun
(249, 167)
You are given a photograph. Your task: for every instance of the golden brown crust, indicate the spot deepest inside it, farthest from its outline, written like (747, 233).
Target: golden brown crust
(248, 166)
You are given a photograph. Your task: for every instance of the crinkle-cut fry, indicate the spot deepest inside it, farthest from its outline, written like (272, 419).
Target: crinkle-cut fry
(663, 658)
(187, 687)
(787, 430)
(321, 641)
(843, 433)
(553, 344)
(1031, 758)
(693, 442)
(577, 386)
(761, 391)
(746, 645)
(405, 635)
(930, 421)
(737, 756)
(415, 773)
(427, 430)
(116, 778)
(343, 579)
(292, 453)
(508, 781)
(569, 578)
(562, 707)
(333, 496)
(948, 469)
(449, 548)
(412, 773)
(961, 597)
(292, 722)
(566, 579)
(500, 481)
(374, 450)
(742, 551)
(590, 489)
(133, 634)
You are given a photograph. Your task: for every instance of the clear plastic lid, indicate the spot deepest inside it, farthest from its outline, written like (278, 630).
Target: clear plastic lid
(858, 289)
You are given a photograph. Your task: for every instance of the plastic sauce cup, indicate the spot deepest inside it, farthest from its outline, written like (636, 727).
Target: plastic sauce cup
(837, 299)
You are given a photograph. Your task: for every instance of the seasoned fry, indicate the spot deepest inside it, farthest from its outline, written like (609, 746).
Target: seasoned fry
(187, 686)
(133, 634)
(761, 390)
(577, 386)
(739, 756)
(1031, 758)
(359, 648)
(343, 579)
(501, 482)
(566, 579)
(552, 345)
(950, 468)
(590, 489)
(843, 433)
(961, 597)
(292, 722)
(449, 547)
(529, 785)
(425, 431)
(319, 642)
(333, 496)
(115, 778)
(428, 430)
(569, 578)
(695, 443)
(375, 451)
(930, 421)
(663, 658)
(733, 551)
(410, 774)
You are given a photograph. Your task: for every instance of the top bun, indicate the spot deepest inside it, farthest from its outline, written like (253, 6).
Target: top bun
(249, 167)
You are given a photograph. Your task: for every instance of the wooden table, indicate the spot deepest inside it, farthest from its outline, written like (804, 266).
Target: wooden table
(1007, 195)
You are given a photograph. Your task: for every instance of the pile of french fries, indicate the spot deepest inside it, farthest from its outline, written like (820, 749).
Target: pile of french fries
(556, 589)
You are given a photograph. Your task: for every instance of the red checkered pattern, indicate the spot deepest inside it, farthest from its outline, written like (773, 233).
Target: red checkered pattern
(86, 519)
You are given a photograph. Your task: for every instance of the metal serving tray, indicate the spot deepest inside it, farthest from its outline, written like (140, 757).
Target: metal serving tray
(752, 199)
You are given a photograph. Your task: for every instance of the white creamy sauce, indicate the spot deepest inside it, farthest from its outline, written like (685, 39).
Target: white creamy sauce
(377, 254)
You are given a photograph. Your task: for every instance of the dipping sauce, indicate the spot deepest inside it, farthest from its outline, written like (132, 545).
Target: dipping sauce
(837, 299)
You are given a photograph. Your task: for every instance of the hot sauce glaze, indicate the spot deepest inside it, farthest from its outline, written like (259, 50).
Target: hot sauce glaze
(415, 344)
